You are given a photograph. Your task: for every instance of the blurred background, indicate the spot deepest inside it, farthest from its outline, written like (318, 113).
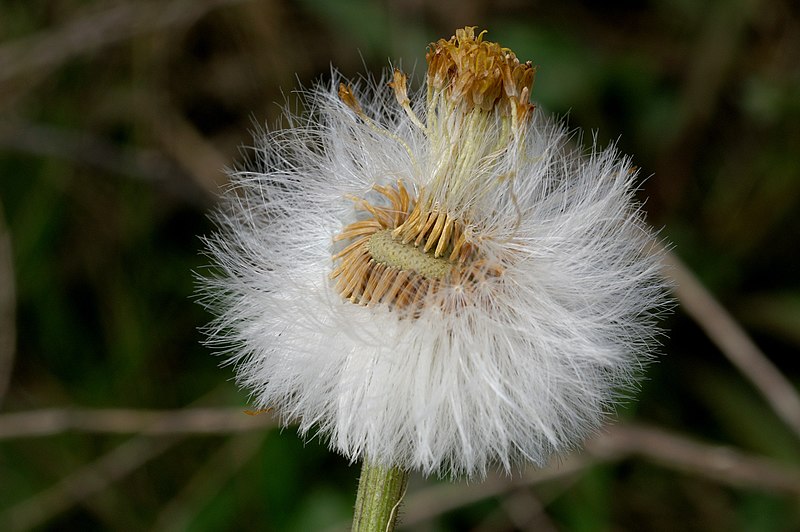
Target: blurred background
(116, 121)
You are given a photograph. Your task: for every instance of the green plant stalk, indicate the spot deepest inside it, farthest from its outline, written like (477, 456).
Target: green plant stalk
(380, 490)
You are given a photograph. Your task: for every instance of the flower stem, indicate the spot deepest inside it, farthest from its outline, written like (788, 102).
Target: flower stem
(380, 490)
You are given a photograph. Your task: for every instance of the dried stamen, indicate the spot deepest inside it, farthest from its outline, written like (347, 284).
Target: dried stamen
(480, 73)
(435, 230)
(402, 253)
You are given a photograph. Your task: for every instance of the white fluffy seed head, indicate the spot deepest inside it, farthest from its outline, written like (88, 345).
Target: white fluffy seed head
(519, 352)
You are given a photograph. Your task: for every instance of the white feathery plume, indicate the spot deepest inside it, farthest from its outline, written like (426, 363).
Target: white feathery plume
(437, 281)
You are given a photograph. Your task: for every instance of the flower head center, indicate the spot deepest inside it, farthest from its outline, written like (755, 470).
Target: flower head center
(386, 249)
(402, 253)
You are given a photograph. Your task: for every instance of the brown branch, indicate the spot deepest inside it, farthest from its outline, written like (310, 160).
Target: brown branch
(8, 327)
(721, 463)
(86, 481)
(437, 499)
(734, 343)
(180, 139)
(84, 148)
(128, 421)
(526, 511)
(122, 460)
(95, 29)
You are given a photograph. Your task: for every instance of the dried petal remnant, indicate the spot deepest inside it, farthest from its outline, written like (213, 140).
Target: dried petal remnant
(347, 96)
(480, 73)
(436, 231)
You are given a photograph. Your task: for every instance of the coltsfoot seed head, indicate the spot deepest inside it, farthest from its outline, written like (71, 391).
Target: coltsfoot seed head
(435, 279)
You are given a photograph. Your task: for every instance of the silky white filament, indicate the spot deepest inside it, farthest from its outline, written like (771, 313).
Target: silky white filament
(520, 351)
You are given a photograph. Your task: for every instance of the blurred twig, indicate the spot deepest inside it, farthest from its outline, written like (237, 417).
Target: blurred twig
(85, 148)
(735, 344)
(438, 499)
(83, 483)
(526, 511)
(96, 476)
(721, 463)
(128, 421)
(95, 29)
(8, 327)
(196, 154)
